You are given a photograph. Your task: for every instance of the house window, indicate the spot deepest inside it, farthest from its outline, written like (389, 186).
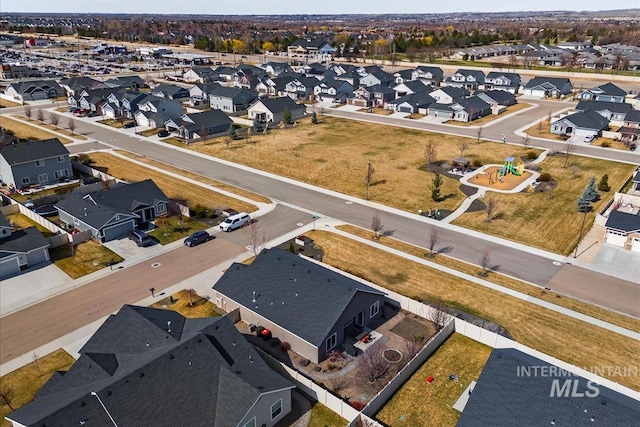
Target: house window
(61, 173)
(60, 159)
(332, 341)
(43, 178)
(25, 181)
(39, 163)
(76, 221)
(276, 409)
(161, 208)
(251, 423)
(374, 309)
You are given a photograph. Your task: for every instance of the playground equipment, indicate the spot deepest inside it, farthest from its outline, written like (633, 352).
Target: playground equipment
(509, 167)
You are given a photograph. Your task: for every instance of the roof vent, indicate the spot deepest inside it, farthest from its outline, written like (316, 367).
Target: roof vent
(253, 300)
(251, 358)
(141, 374)
(169, 326)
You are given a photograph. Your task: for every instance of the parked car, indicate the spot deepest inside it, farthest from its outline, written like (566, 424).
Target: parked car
(235, 221)
(164, 133)
(589, 139)
(129, 125)
(141, 238)
(197, 238)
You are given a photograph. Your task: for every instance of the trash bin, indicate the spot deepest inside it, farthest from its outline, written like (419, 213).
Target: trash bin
(252, 327)
(265, 334)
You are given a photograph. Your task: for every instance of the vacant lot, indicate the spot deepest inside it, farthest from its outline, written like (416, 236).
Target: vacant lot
(25, 131)
(335, 153)
(549, 220)
(459, 355)
(188, 303)
(173, 187)
(25, 382)
(557, 335)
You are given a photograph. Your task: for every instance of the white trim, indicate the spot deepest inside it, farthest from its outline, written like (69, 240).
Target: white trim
(333, 337)
(273, 417)
(251, 423)
(376, 306)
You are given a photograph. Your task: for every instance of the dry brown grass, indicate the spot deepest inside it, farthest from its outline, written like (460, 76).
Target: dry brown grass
(21, 221)
(196, 177)
(627, 322)
(566, 338)
(194, 307)
(26, 381)
(536, 218)
(437, 398)
(610, 143)
(488, 119)
(335, 154)
(25, 131)
(174, 188)
(6, 103)
(150, 132)
(543, 131)
(89, 257)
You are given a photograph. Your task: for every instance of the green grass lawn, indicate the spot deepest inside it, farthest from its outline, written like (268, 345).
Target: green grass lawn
(25, 382)
(458, 355)
(21, 221)
(321, 416)
(176, 228)
(89, 256)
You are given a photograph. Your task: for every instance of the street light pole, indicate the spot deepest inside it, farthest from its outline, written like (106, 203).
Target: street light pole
(93, 393)
(584, 219)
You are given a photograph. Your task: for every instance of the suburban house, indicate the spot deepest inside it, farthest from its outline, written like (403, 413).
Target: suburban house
(410, 87)
(509, 82)
(548, 87)
(224, 72)
(154, 111)
(280, 288)
(199, 125)
(469, 109)
(20, 249)
(607, 92)
(610, 110)
(174, 92)
(410, 104)
(431, 75)
(497, 99)
(581, 124)
(199, 94)
(127, 82)
(271, 110)
(402, 76)
(32, 90)
(362, 97)
(230, 99)
(515, 389)
(275, 68)
(313, 69)
(301, 88)
(144, 364)
(200, 75)
(381, 95)
(25, 164)
(448, 95)
(332, 90)
(466, 79)
(377, 78)
(440, 110)
(352, 77)
(630, 131)
(307, 47)
(73, 85)
(113, 213)
(623, 229)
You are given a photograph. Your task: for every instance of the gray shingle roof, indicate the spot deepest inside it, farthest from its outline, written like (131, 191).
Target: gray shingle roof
(609, 89)
(614, 107)
(30, 151)
(23, 241)
(209, 118)
(278, 105)
(557, 82)
(505, 396)
(588, 120)
(623, 221)
(138, 368)
(632, 116)
(300, 296)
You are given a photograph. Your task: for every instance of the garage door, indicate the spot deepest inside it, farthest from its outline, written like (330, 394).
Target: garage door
(405, 110)
(616, 239)
(635, 246)
(9, 266)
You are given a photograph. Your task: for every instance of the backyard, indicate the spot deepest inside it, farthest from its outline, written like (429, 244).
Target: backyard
(458, 355)
(188, 303)
(566, 338)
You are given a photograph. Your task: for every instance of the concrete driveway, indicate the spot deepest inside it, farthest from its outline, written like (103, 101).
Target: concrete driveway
(625, 263)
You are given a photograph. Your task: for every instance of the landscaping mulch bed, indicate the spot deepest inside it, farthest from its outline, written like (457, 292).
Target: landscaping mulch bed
(410, 327)
(468, 190)
(311, 250)
(476, 206)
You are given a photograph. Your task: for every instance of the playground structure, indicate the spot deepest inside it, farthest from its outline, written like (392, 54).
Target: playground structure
(509, 168)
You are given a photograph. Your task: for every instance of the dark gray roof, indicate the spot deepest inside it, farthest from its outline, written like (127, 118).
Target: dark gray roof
(500, 96)
(473, 104)
(636, 177)
(420, 99)
(632, 116)
(303, 297)
(170, 90)
(233, 93)
(506, 396)
(379, 88)
(557, 82)
(623, 221)
(477, 74)
(28, 86)
(514, 77)
(209, 118)
(455, 92)
(417, 86)
(30, 151)
(609, 89)
(588, 120)
(614, 107)
(23, 241)
(3, 221)
(435, 71)
(278, 105)
(137, 367)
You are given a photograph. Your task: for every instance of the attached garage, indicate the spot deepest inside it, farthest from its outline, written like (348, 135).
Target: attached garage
(623, 230)
(9, 265)
(635, 244)
(616, 238)
(405, 109)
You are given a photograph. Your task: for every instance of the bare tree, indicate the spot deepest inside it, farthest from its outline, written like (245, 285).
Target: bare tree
(368, 176)
(254, 237)
(54, 119)
(340, 383)
(190, 293)
(463, 145)
(27, 111)
(539, 127)
(434, 239)
(479, 133)
(71, 124)
(372, 363)
(438, 314)
(376, 225)
(40, 115)
(526, 140)
(430, 153)
(36, 359)
(413, 345)
(203, 133)
(549, 117)
(491, 204)
(227, 141)
(485, 262)
(569, 147)
(6, 396)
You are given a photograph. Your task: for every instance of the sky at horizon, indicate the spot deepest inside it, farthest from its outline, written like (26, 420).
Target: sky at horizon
(271, 7)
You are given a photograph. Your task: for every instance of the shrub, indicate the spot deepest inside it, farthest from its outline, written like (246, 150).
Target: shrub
(304, 362)
(603, 185)
(605, 144)
(285, 346)
(477, 163)
(545, 177)
(531, 155)
(532, 166)
(331, 366)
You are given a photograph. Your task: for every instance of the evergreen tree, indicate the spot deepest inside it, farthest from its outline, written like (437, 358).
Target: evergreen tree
(257, 124)
(436, 184)
(233, 134)
(584, 202)
(286, 116)
(603, 185)
(593, 194)
(314, 119)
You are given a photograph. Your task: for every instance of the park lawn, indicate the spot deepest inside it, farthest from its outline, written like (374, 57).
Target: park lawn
(489, 118)
(21, 221)
(601, 313)
(25, 131)
(176, 228)
(200, 307)
(335, 153)
(437, 398)
(174, 188)
(321, 416)
(26, 381)
(557, 335)
(90, 256)
(536, 218)
(196, 177)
